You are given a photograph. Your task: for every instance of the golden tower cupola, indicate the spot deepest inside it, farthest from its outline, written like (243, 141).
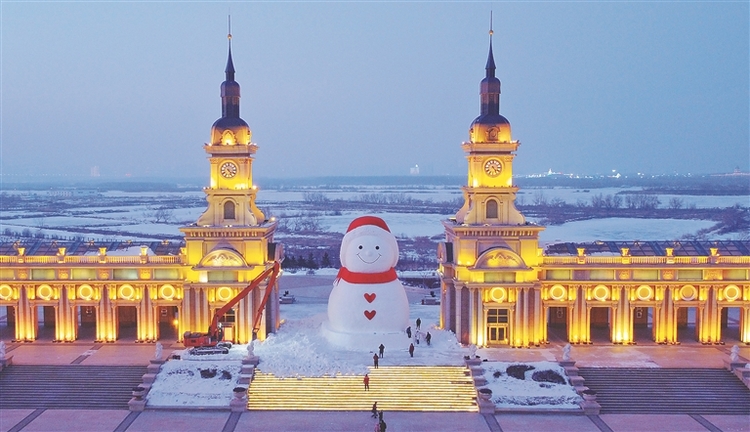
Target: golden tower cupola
(490, 126)
(230, 129)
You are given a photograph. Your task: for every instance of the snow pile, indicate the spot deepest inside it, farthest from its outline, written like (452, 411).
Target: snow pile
(510, 392)
(204, 383)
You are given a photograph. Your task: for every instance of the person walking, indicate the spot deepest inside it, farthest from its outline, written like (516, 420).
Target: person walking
(375, 410)
(428, 338)
(411, 350)
(419, 323)
(382, 350)
(408, 332)
(367, 382)
(375, 360)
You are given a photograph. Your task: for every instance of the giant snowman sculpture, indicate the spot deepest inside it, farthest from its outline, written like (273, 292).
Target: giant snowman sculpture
(368, 304)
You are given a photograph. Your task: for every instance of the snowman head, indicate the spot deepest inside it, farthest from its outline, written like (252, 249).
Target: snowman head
(368, 246)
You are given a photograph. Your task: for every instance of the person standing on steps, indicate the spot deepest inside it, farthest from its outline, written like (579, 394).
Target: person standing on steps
(382, 350)
(375, 360)
(419, 323)
(411, 350)
(367, 382)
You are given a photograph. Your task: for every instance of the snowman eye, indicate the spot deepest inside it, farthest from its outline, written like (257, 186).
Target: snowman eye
(377, 247)
(360, 246)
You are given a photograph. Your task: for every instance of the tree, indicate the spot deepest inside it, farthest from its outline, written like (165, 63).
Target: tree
(325, 262)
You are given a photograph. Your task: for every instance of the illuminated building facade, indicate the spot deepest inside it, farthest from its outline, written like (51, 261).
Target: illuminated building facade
(158, 287)
(498, 287)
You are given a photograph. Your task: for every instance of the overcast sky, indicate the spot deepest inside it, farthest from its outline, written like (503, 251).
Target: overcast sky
(374, 88)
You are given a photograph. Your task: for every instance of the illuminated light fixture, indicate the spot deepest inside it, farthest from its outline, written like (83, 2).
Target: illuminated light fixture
(498, 295)
(644, 292)
(44, 292)
(126, 292)
(731, 292)
(224, 294)
(175, 322)
(167, 292)
(6, 292)
(557, 292)
(601, 293)
(688, 292)
(85, 292)
(255, 187)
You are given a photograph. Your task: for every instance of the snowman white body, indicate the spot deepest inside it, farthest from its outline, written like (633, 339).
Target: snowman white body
(367, 297)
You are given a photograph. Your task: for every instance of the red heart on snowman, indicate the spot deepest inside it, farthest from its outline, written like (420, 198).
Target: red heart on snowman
(370, 314)
(370, 297)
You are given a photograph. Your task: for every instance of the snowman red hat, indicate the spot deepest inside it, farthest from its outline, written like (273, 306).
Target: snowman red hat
(368, 229)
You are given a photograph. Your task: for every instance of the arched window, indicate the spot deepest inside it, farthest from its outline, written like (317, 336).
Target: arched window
(491, 209)
(229, 210)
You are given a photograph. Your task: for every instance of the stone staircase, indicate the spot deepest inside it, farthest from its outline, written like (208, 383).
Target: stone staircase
(395, 388)
(68, 386)
(667, 391)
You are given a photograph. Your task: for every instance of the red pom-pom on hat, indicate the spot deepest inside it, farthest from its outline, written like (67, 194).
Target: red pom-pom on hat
(368, 220)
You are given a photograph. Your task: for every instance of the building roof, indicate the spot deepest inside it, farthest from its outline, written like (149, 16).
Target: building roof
(45, 247)
(653, 248)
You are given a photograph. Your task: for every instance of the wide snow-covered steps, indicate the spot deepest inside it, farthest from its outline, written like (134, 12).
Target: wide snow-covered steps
(395, 388)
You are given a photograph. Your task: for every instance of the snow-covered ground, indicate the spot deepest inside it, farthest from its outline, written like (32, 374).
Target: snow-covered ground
(300, 349)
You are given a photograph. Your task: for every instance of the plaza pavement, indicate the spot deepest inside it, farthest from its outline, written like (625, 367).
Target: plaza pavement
(83, 420)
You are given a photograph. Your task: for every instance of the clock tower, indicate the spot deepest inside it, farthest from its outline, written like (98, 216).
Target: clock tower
(232, 241)
(489, 260)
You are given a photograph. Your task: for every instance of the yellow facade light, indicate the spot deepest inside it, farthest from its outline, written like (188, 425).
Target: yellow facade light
(44, 292)
(224, 294)
(601, 293)
(126, 292)
(167, 292)
(557, 292)
(6, 292)
(85, 292)
(644, 293)
(688, 292)
(732, 293)
(499, 295)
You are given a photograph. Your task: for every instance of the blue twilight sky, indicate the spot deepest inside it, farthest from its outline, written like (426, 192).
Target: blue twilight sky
(374, 88)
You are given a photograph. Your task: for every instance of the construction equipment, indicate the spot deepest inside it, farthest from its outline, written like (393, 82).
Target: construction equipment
(211, 342)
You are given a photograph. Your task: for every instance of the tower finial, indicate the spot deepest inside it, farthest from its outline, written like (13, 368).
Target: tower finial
(229, 26)
(230, 65)
(491, 32)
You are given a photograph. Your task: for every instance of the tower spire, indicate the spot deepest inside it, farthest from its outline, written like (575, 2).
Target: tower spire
(490, 67)
(230, 65)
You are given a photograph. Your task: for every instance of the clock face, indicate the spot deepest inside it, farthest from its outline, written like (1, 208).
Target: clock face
(228, 169)
(493, 167)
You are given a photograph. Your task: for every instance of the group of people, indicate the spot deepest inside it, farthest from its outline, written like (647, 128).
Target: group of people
(418, 334)
(380, 425)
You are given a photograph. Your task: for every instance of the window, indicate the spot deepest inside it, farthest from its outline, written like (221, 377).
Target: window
(229, 210)
(491, 209)
(497, 316)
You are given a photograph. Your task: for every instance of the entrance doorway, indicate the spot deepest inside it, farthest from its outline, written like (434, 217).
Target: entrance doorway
(687, 324)
(497, 326)
(599, 320)
(643, 324)
(7, 322)
(730, 325)
(168, 322)
(127, 322)
(45, 323)
(557, 324)
(86, 323)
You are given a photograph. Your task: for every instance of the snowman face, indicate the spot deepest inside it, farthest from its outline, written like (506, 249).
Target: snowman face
(370, 253)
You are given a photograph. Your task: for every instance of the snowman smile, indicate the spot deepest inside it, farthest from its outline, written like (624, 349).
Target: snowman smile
(368, 262)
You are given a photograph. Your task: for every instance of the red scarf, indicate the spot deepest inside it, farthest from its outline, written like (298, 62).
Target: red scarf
(366, 278)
